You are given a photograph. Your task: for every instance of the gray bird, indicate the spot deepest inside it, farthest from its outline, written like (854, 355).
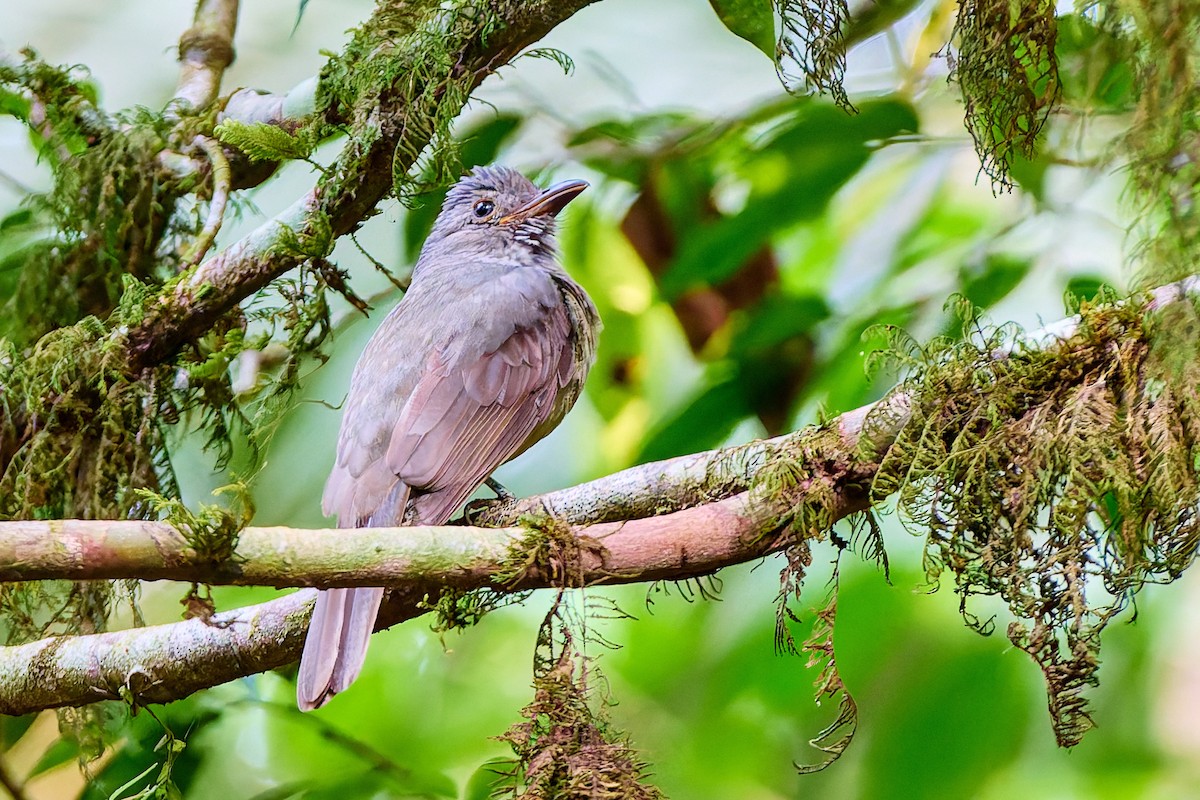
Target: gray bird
(483, 357)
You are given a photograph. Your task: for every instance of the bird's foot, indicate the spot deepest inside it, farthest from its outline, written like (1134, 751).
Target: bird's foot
(501, 492)
(479, 507)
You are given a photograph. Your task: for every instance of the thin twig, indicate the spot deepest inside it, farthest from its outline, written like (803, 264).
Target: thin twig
(221, 176)
(402, 283)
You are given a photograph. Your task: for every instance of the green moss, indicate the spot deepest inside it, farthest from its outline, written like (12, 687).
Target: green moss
(1059, 479)
(80, 433)
(837, 736)
(212, 532)
(108, 215)
(405, 57)
(565, 747)
(263, 142)
(810, 483)
(1161, 142)
(550, 551)
(1005, 65)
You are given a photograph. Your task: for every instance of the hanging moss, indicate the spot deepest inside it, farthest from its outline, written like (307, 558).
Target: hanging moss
(1060, 480)
(565, 748)
(1164, 140)
(813, 38)
(1005, 65)
(79, 434)
(813, 482)
(108, 217)
(833, 740)
(80, 438)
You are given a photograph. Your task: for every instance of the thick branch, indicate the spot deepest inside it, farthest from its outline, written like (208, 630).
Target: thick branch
(73, 671)
(684, 544)
(166, 662)
(205, 50)
(361, 177)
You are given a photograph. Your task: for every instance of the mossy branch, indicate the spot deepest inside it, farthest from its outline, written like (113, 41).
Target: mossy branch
(205, 50)
(685, 544)
(722, 507)
(166, 662)
(397, 80)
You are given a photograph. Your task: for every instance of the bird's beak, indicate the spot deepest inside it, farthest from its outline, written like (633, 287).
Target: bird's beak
(548, 203)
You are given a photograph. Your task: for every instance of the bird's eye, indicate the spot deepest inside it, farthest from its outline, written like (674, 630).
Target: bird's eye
(483, 208)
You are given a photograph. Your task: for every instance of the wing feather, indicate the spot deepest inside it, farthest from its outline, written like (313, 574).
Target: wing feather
(468, 417)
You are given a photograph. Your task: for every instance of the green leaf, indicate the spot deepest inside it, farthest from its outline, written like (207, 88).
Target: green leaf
(1086, 287)
(753, 20)
(299, 16)
(263, 142)
(379, 784)
(1030, 174)
(778, 318)
(617, 147)
(59, 753)
(1096, 64)
(12, 729)
(999, 275)
(283, 791)
(13, 105)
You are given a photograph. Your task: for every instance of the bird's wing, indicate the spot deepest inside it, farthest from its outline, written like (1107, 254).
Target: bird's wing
(469, 413)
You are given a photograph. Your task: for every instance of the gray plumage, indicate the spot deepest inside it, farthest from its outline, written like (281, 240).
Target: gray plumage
(483, 357)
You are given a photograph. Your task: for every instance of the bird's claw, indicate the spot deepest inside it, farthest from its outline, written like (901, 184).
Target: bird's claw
(502, 493)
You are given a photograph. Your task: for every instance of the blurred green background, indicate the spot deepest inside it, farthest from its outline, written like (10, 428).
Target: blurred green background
(738, 242)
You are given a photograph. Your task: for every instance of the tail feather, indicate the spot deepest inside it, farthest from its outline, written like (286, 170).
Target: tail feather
(336, 646)
(343, 620)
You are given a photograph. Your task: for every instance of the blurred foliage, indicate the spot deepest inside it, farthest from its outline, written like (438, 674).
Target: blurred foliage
(743, 264)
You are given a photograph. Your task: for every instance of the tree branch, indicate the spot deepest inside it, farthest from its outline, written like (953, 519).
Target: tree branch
(662, 487)
(362, 176)
(166, 662)
(683, 544)
(205, 50)
(717, 517)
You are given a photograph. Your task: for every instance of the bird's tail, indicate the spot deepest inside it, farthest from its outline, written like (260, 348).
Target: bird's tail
(336, 646)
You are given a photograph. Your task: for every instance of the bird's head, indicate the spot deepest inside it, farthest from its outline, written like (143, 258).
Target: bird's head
(499, 209)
